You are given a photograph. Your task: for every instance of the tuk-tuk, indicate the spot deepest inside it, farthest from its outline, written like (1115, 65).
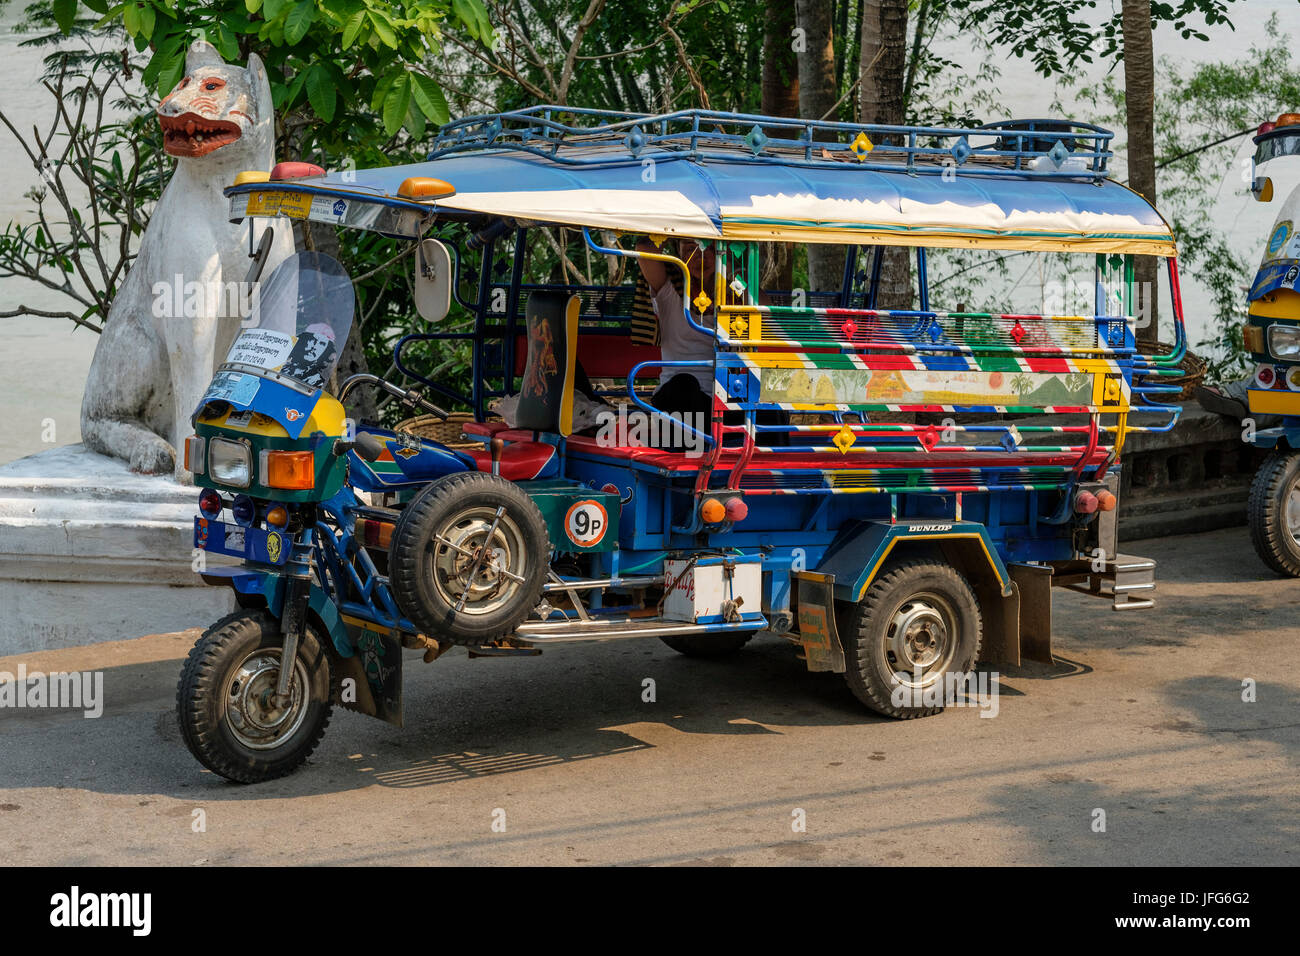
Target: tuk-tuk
(1272, 336)
(809, 503)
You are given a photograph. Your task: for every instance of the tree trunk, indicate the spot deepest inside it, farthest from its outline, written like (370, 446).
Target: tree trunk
(1139, 103)
(780, 98)
(816, 99)
(880, 99)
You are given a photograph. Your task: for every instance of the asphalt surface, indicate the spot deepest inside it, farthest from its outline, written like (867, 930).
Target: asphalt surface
(1142, 717)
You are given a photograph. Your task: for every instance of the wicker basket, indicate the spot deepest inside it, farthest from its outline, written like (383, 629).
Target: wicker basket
(1194, 368)
(444, 431)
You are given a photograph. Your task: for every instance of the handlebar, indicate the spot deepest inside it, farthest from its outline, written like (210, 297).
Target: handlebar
(409, 397)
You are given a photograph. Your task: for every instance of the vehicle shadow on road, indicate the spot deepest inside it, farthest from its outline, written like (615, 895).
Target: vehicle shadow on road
(464, 719)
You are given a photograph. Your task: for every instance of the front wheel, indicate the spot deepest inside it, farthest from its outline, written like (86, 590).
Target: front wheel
(917, 623)
(1273, 511)
(225, 702)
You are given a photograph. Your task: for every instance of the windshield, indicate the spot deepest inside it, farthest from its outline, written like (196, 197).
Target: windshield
(299, 323)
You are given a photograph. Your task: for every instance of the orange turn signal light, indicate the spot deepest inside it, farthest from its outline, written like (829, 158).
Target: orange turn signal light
(292, 470)
(1287, 119)
(424, 187)
(712, 511)
(277, 516)
(1106, 501)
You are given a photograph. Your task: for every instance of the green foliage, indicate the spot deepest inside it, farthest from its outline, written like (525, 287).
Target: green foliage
(1057, 36)
(334, 64)
(1195, 107)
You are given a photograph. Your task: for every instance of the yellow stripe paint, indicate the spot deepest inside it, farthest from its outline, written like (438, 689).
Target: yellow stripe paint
(889, 546)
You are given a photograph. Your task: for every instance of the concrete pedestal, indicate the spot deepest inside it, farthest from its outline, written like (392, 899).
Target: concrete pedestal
(90, 551)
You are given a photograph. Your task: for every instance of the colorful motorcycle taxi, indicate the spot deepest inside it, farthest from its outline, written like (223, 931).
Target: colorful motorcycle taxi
(893, 553)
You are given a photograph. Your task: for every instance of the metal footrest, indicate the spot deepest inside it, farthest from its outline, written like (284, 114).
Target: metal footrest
(1125, 579)
(617, 628)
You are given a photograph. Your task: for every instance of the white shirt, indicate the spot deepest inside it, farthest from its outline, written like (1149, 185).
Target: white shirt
(678, 342)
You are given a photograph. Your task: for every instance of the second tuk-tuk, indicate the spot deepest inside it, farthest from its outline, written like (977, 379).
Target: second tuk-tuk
(1272, 337)
(811, 502)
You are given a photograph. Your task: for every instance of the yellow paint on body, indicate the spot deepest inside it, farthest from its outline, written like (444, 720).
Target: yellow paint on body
(1274, 402)
(327, 417)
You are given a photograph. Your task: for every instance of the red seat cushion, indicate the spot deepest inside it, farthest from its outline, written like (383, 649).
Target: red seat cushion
(483, 428)
(520, 460)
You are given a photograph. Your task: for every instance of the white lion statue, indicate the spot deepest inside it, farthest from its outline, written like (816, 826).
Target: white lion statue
(179, 307)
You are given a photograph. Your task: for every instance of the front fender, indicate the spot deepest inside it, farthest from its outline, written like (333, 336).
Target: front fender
(262, 589)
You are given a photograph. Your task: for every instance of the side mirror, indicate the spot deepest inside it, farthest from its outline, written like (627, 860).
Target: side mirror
(1262, 189)
(432, 280)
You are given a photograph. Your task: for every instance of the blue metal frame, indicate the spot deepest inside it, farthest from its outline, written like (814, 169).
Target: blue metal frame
(539, 131)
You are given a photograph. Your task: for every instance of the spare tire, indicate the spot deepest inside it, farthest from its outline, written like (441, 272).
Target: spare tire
(468, 558)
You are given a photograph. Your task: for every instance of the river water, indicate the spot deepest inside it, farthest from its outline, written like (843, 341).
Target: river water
(43, 362)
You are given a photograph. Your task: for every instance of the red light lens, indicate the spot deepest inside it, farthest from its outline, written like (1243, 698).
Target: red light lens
(209, 503)
(1265, 376)
(737, 510)
(295, 170)
(1085, 502)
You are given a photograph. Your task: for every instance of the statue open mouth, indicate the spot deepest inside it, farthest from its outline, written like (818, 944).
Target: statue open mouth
(191, 135)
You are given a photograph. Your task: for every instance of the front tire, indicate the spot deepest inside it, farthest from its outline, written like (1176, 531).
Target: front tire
(224, 706)
(918, 621)
(1273, 511)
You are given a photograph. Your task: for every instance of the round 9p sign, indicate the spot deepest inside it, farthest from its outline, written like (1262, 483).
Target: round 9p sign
(586, 523)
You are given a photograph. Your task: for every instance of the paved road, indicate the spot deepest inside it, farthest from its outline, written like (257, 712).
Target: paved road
(1143, 718)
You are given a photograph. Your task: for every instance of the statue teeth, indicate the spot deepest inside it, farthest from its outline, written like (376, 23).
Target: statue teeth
(189, 128)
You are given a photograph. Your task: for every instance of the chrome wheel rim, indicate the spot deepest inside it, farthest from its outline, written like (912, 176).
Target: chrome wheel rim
(253, 715)
(1291, 511)
(477, 560)
(920, 640)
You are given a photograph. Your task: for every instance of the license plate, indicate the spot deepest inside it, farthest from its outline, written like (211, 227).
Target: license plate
(236, 541)
(293, 205)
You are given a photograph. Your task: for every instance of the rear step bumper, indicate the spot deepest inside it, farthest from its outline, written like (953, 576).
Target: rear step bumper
(1126, 579)
(612, 629)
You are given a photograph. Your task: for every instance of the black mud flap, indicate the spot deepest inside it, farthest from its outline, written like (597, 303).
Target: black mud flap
(370, 681)
(817, 631)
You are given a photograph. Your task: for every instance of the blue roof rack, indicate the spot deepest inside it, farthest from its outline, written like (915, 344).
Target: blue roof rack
(1041, 148)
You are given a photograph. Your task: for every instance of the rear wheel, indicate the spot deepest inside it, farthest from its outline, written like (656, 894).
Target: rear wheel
(468, 558)
(226, 706)
(708, 645)
(918, 622)
(1273, 511)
